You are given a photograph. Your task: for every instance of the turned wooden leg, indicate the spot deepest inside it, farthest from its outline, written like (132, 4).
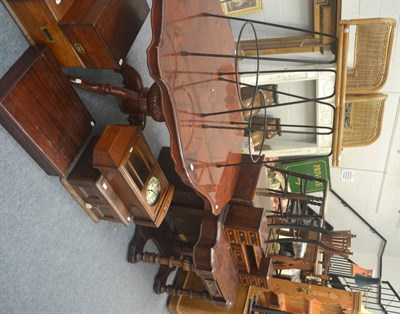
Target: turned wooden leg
(137, 243)
(204, 295)
(133, 99)
(172, 262)
(131, 78)
(165, 243)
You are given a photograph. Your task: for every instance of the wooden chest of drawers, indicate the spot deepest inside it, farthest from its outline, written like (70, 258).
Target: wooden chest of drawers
(103, 31)
(42, 111)
(93, 192)
(258, 277)
(245, 225)
(246, 231)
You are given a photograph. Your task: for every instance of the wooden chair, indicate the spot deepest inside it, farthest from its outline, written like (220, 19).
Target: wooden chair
(332, 242)
(372, 51)
(298, 202)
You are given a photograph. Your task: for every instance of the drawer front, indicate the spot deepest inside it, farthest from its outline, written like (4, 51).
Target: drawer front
(116, 206)
(243, 279)
(254, 238)
(241, 258)
(242, 237)
(231, 235)
(262, 283)
(251, 280)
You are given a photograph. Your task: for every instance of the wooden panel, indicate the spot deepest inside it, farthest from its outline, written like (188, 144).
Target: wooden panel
(43, 112)
(247, 181)
(183, 304)
(95, 193)
(245, 225)
(102, 31)
(59, 8)
(40, 23)
(347, 300)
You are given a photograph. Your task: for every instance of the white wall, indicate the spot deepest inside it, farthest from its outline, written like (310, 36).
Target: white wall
(375, 191)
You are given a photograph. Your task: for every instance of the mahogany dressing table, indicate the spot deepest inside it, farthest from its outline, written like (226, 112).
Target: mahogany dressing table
(189, 87)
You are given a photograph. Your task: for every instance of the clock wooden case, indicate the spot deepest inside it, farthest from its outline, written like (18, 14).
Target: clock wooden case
(125, 160)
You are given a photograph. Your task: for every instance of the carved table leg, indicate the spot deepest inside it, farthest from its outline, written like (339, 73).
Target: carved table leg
(165, 243)
(171, 262)
(131, 77)
(133, 99)
(204, 295)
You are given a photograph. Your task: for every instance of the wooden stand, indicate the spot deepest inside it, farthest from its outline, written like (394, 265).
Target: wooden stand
(133, 99)
(166, 245)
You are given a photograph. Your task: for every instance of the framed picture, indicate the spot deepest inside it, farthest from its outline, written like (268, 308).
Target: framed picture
(238, 7)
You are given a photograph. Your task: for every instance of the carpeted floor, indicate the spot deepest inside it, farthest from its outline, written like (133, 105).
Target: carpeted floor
(54, 259)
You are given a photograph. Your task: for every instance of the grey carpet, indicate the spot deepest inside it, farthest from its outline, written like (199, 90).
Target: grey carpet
(54, 259)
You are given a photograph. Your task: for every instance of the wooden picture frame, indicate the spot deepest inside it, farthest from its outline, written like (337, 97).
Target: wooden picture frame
(239, 7)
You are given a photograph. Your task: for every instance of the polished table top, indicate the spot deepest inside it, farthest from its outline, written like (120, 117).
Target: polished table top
(190, 87)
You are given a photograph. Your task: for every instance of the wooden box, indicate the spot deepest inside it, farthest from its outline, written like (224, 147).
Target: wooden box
(125, 160)
(245, 225)
(93, 192)
(42, 111)
(103, 31)
(247, 182)
(38, 20)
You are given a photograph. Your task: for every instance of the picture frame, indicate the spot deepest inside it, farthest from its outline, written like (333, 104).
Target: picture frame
(239, 7)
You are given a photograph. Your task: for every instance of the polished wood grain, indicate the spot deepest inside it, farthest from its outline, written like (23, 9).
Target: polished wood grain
(183, 304)
(59, 8)
(190, 86)
(93, 192)
(289, 292)
(102, 31)
(121, 154)
(213, 259)
(42, 111)
(249, 174)
(38, 20)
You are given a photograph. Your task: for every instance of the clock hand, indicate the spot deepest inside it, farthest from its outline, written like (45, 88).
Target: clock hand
(150, 190)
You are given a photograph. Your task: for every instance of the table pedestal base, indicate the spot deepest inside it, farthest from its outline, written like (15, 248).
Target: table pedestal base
(133, 99)
(165, 243)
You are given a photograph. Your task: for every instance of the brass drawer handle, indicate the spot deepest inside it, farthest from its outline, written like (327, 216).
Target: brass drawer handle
(78, 47)
(47, 34)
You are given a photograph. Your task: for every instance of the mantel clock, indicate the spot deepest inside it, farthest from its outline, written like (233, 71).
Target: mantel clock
(124, 158)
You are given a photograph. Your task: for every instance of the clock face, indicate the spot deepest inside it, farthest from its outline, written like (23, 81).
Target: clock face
(153, 190)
